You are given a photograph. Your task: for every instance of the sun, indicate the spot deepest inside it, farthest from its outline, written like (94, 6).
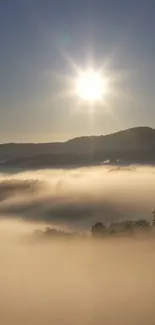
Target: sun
(90, 86)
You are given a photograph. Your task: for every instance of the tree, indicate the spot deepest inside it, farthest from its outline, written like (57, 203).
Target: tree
(153, 213)
(98, 230)
(128, 225)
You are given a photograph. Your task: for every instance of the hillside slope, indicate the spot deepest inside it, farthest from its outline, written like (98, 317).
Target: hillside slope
(129, 146)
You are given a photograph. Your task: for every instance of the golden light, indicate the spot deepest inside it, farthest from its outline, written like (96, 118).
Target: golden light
(90, 86)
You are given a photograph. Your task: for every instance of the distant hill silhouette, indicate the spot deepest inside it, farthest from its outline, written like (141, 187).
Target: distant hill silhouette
(135, 145)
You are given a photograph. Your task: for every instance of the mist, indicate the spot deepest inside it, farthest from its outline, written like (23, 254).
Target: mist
(82, 281)
(74, 199)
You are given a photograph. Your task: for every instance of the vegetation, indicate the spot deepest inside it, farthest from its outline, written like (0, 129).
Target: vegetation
(53, 233)
(99, 230)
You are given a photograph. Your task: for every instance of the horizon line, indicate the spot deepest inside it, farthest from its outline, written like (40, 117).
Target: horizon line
(76, 137)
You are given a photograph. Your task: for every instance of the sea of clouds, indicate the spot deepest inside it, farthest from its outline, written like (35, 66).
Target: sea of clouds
(79, 281)
(77, 198)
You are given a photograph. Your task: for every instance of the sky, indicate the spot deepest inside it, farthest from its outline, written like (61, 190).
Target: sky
(41, 43)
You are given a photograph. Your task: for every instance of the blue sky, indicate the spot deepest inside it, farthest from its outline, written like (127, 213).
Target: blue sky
(37, 37)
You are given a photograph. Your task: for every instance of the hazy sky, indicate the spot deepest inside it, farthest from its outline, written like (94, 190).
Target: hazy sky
(37, 38)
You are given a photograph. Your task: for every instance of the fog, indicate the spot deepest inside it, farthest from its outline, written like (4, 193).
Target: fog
(80, 281)
(77, 198)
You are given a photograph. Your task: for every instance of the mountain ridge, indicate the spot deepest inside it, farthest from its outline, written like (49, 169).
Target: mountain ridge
(78, 137)
(131, 145)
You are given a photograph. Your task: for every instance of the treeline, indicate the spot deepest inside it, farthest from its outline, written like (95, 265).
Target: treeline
(99, 229)
(53, 233)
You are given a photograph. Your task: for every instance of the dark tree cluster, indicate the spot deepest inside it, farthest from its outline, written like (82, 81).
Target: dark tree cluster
(100, 230)
(53, 233)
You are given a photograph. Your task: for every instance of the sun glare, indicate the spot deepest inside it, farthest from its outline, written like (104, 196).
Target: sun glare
(90, 86)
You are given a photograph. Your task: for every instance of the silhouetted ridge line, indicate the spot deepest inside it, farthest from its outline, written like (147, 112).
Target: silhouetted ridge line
(134, 145)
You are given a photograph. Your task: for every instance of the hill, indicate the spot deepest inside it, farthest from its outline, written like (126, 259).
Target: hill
(135, 145)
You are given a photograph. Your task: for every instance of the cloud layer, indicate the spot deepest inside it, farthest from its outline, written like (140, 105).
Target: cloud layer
(76, 198)
(77, 283)
(81, 282)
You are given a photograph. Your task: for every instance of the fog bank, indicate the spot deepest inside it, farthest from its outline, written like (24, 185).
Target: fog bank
(83, 282)
(77, 198)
